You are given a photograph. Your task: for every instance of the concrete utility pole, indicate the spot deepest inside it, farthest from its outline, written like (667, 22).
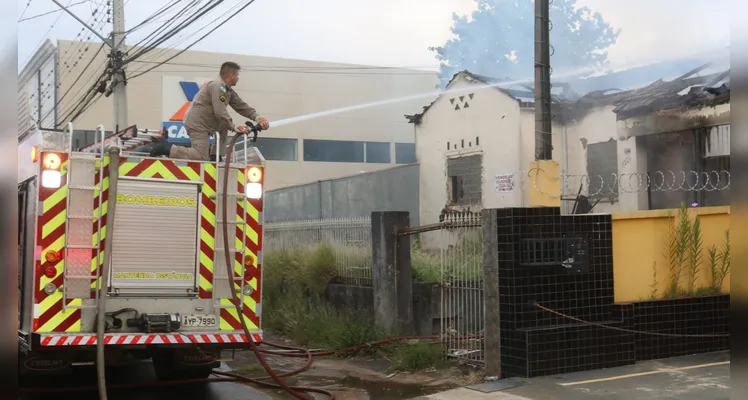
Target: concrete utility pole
(543, 148)
(116, 42)
(118, 86)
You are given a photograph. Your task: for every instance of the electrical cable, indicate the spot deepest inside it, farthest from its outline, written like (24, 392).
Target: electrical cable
(36, 48)
(48, 12)
(173, 32)
(24, 11)
(202, 11)
(166, 50)
(84, 104)
(153, 16)
(173, 20)
(59, 101)
(195, 42)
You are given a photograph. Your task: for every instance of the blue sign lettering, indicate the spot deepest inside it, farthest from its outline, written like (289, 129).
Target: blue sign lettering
(176, 132)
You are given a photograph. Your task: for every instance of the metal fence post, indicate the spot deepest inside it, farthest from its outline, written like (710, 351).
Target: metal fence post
(492, 328)
(391, 272)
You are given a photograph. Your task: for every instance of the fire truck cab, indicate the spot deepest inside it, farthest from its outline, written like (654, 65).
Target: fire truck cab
(168, 295)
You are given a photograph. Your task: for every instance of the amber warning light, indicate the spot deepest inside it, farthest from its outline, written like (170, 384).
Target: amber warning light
(254, 174)
(51, 174)
(52, 161)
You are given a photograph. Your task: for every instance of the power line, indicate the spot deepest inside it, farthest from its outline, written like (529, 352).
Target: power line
(93, 94)
(292, 68)
(48, 12)
(196, 41)
(164, 51)
(59, 101)
(45, 35)
(174, 20)
(153, 16)
(341, 73)
(170, 34)
(24, 11)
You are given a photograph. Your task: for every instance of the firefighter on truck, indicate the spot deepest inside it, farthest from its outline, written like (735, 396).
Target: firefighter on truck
(208, 114)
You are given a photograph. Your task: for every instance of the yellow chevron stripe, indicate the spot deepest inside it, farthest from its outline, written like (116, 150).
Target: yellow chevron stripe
(95, 264)
(208, 216)
(209, 170)
(61, 316)
(191, 174)
(55, 198)
(251, 210)
(54, 223)
(152, 170)
(126, 167)
(225, 326)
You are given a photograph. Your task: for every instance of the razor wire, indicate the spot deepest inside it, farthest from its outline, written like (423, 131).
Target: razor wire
(614, 184)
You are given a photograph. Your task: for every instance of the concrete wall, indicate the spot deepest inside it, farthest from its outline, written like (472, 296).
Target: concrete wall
(393, 189)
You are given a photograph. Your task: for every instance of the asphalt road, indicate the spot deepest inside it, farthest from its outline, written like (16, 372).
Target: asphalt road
(140, 373)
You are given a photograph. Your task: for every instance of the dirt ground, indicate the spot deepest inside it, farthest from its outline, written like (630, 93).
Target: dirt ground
(359, 378)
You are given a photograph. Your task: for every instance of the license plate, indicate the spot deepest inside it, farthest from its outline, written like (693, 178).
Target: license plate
(191, 321)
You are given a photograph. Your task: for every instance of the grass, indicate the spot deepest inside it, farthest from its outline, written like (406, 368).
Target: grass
(294, 283)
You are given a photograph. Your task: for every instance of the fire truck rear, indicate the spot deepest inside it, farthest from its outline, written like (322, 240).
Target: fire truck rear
(168, 296)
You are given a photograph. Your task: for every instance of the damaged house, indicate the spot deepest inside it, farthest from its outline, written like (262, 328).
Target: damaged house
(648, 147)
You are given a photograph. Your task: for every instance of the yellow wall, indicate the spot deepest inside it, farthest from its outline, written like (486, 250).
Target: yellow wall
(639, 241)
(544, 185)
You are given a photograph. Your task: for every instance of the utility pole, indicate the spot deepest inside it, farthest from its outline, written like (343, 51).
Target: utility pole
(543, 147)
(119, 82)
(116, 42)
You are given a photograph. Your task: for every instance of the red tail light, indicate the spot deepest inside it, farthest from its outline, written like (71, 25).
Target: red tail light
(50, 272)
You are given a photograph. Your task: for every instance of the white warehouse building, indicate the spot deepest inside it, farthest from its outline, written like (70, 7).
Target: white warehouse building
(366, 139)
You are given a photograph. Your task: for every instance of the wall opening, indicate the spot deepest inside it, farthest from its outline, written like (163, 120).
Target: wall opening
(465, 180)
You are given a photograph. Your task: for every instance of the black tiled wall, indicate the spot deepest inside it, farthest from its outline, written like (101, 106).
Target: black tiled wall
(583, 290)
(708, 315)
(534, 268)
(577, 348)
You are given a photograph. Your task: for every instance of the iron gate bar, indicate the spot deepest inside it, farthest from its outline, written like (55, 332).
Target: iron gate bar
(435, 227)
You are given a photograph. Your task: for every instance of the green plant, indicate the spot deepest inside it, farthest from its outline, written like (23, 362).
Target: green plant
(418, 356)
(685, 251)
(694, 255)
(720, 262)
(653, 286)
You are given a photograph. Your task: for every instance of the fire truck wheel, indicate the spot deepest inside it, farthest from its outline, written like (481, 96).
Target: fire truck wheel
(166, 370)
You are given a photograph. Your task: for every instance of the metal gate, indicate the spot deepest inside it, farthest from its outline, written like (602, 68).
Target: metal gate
(455, 245)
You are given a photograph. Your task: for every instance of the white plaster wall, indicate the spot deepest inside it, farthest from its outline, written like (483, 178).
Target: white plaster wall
(598, 126)
(494, 118)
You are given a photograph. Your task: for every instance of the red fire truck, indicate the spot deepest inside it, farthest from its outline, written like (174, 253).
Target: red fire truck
(166, 293)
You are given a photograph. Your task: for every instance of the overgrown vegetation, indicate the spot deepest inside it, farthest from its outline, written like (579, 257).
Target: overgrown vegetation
(294, 284)
(685, 256)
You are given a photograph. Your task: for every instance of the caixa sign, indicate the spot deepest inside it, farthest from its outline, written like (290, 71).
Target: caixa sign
(176, 132)
(46, 364)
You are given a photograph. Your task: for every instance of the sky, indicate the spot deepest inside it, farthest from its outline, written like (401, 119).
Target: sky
(394, 33)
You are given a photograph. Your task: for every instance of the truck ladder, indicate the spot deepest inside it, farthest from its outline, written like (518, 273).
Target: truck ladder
(77, 271)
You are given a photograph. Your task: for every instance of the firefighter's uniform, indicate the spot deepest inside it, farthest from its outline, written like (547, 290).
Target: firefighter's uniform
(208, 114)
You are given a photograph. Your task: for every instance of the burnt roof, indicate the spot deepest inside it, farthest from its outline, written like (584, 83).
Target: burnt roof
(684, 92)
(524, 93)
